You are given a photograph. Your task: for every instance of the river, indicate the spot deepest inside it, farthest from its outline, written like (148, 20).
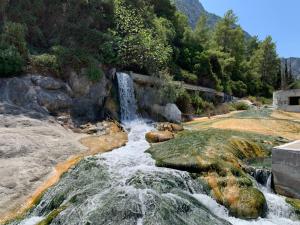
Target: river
(124, 187)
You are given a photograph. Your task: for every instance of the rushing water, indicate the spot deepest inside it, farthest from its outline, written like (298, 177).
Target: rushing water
(124, 187)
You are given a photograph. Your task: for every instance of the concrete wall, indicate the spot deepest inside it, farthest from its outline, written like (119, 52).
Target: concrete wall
(281, 100)
(286, 169)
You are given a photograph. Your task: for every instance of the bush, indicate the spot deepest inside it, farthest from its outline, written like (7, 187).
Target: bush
(11, 62)
(188, 77)
(45, 63)
(94, 72)
(240, 106)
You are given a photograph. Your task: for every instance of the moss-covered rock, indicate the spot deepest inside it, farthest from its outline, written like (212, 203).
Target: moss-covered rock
(247, 203)
(295, 203)
(216, 156)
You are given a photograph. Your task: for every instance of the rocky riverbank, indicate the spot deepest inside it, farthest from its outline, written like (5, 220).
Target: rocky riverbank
(34, 153)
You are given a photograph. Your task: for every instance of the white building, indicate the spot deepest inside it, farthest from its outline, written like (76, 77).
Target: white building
(287, 100)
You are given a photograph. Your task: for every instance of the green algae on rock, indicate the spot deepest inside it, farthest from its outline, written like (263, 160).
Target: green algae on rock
(295, 203)
(216, 156)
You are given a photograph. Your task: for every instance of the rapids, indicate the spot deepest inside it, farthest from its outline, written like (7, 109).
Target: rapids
(124, 187)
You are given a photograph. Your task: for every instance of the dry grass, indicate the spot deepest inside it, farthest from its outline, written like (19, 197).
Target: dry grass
(279, 123)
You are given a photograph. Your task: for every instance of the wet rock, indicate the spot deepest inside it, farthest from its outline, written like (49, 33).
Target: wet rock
(248, 203)
(159, 136)
(151, 197)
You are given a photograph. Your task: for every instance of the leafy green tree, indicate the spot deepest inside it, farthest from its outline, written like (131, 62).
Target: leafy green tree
(270, 62)
(228, 37)
(140, 48)
(202, 32)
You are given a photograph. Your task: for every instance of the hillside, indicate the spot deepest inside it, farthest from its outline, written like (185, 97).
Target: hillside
(193, 9)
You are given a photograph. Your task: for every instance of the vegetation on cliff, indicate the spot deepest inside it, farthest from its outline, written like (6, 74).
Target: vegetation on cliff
(144, 36)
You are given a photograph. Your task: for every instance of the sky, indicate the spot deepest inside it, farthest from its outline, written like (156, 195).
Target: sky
(278, 18)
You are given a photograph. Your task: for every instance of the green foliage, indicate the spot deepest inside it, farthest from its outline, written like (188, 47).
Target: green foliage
(45, 63)
(140, 47)
(240, 106)
(168, 90)
(14, 35)
(94, 72)
(11, 62)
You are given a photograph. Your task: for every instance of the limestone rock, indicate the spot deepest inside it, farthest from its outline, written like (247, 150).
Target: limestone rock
(80, 85)
(170, 112)
(54, 101)
(172, 127)
(159, 136)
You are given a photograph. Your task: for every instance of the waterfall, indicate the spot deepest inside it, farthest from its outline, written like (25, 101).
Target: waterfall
(127, 98)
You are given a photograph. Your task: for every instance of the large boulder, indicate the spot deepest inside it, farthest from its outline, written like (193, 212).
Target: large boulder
(170, 112)
(159, 136)
(86, 100)
(54, 101)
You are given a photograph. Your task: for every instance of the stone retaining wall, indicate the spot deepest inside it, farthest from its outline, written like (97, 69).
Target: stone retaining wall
(286, 169)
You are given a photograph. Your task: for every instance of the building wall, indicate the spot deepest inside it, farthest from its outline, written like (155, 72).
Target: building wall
(281, 100)
(285, 169)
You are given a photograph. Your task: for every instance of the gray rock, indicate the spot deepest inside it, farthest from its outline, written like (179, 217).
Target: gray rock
(170, 112)
(54, 101)
(48, 83)
(79, 84)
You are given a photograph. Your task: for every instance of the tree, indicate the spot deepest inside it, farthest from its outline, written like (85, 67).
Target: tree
(270, 63)
(228, 37)
(140, 47)
(202, 31)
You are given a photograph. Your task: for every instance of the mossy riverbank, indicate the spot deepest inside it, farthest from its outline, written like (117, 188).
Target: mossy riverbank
(217, 149)
(216, 156)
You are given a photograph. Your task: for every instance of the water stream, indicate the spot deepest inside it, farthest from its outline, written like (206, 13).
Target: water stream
(124, 187)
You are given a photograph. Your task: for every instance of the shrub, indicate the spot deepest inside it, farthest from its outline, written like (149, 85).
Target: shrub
(11, 62)
(94, 72)
(184, 102)
(240, 106)
(188, 77)
(45, 63)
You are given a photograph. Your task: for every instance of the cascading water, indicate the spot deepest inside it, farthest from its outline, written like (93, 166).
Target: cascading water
(126, 96)
(124, 187)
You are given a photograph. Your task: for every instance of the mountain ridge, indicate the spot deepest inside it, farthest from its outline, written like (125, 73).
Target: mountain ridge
(193, 9)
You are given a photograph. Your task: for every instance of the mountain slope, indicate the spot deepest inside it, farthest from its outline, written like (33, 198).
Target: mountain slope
(294, 64)
(193, 9)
